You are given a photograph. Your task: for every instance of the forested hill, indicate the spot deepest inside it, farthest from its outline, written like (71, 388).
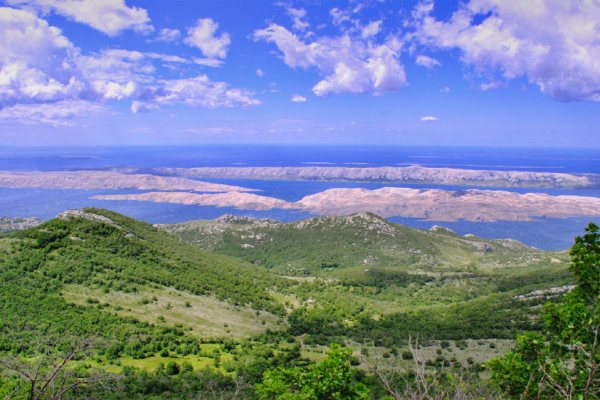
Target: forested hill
(363, 240)
(103, 248)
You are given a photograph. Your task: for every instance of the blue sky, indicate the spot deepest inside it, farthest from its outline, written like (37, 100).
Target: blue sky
(478, 72)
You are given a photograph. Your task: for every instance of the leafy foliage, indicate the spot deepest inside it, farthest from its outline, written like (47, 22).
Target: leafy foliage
(564, 361)
(331, 379)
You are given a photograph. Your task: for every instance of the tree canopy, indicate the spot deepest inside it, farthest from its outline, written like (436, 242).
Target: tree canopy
(563, 361)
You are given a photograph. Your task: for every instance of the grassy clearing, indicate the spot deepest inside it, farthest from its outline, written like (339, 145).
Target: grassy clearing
(153, 363)
(7, 243)
(205, 316)
(465, 352)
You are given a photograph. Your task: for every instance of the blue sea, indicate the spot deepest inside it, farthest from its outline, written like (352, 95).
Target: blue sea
(551, 234)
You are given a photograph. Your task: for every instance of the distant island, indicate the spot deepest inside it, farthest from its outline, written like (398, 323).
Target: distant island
(106, 180)
(431, 204)
(414, 174)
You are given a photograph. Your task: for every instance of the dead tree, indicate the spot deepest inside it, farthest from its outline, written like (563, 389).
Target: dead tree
(52, 373)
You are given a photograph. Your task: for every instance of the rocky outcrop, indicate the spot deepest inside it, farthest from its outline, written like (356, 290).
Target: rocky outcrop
(235, 219)
(8, 224)
(70, 214)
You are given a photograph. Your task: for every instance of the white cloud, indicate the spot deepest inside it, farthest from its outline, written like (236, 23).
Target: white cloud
(298, 99)
(198, 91)
(141, 107)
(298, 18)
(203, 36)
(58, 114)
(371, 29)
(339, 17)
(107, 16)
(445, 89)
(208, 62)
(485, 86)
(168, 35)
(429, 118)
(37, 63)
(553, 43)
(427, 62)
(260, 73)
(41, 70)
(347, 63)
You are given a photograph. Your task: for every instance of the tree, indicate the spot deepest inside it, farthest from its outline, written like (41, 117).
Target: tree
(54, 371)
(563, 361)
(423, 383)
(331, 379)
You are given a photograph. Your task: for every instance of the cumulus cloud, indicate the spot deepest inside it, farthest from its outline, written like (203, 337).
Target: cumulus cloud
(168, 35)
(371, 29)
(298, 18)
(347, 63)
(41, 69)
(427, 62)
(203, 36)
(552, 43)
(260, 73)
(298, 99)
(429, 118)
(58, 114)
(107, 16)
(37, 63)
(198, 91)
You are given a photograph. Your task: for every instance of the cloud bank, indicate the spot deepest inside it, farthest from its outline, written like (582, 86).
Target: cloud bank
(43, 70)
(552, 43)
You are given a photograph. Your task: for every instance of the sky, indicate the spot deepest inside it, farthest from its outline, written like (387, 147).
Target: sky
(471, 72)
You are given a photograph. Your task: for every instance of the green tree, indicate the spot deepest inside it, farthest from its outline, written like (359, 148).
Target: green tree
(564, 360)
(331, 379)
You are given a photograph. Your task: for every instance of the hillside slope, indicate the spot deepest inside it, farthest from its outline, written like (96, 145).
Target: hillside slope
(360, 240)
(96, 273)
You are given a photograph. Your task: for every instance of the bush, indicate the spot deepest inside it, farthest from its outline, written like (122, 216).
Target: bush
(172, 368)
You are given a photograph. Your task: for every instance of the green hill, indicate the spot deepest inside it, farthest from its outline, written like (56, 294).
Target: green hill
(361, 276)
(314, 245)
(98, 273)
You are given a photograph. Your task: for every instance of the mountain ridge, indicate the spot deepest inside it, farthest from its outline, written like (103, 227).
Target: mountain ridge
(357, 239)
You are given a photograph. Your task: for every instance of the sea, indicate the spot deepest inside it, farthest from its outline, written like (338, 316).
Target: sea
(545, 233)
